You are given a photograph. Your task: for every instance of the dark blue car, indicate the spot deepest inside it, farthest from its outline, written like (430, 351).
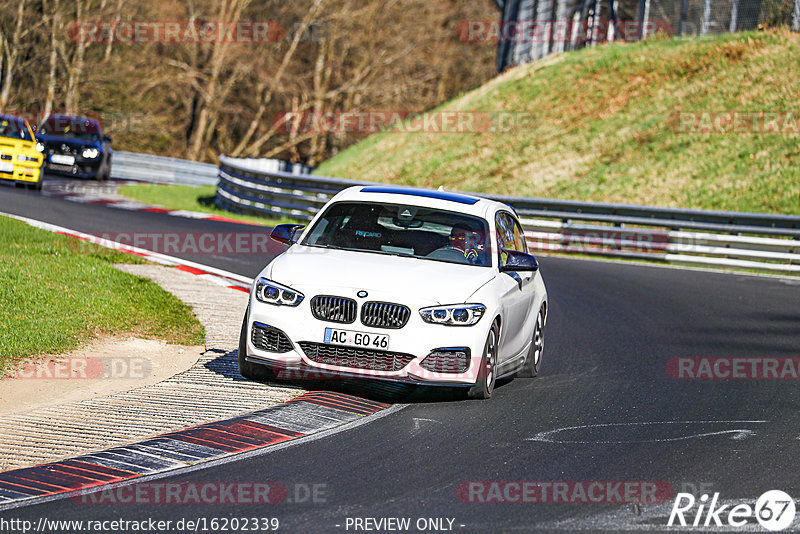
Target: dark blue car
(75, 146)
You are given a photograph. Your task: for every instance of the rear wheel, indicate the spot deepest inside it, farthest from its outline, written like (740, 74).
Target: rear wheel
(249, 370)
(487, 375)
(534, 358)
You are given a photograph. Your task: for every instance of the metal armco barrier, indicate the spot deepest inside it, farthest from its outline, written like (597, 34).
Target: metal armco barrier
(160, 169)
(674, 235)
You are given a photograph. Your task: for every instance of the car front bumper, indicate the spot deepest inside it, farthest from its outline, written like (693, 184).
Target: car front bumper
(416, 339)
(80, 169)
(27, 172)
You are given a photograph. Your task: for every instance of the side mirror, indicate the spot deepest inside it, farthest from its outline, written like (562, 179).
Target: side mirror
(518, 261)
(107, 139)
(284, 233)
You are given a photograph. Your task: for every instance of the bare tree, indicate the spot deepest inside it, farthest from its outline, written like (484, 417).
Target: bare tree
(267, 90)
(54, 20)
(203, 97)
(11, 51)
(211, 94)
(117, 19)
(75, 60)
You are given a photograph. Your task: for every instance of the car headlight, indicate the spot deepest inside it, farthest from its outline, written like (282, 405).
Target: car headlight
(90, 153)
(23, 157)
(273, 293)
(453, 315)
(40, 147)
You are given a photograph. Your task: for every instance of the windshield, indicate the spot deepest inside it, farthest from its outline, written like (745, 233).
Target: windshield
(403, 230)
(14, 128)
(72, 127)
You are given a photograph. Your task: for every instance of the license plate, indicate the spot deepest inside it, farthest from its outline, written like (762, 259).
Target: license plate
(5, 166)
(351, 338)
(62, 159)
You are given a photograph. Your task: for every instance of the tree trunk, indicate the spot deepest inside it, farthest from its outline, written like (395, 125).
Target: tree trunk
(73, 98)
(51, 82)
(209, 104)
(265, 100)
(110, 42)
(12, 52)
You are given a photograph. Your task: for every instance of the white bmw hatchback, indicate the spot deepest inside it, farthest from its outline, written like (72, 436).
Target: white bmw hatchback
(401, 284)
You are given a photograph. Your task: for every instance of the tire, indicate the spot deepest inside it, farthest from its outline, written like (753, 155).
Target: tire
(37, 186)
(487, 376)
(251, 371)
(533, 360)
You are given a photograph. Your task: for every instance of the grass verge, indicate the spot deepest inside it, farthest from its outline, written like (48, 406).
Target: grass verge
(53, 297)
(602, 125)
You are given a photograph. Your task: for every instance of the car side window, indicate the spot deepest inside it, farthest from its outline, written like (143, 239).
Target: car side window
(519, 237)
(509, 235)
(505, 236)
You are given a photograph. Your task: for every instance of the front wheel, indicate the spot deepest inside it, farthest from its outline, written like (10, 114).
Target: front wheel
(487, 374)
(534, 358)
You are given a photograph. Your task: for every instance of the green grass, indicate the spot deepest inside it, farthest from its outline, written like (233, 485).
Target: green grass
(604, 129)
(56, 293)
(184, 197)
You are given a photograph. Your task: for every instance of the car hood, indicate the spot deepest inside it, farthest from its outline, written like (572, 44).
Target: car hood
(317, 270)
(17, 144)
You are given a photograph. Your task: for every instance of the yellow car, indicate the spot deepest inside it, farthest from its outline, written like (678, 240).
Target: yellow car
(20, 161)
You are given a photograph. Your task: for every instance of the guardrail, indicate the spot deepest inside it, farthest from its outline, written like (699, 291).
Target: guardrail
(160, 169)
(673, 235)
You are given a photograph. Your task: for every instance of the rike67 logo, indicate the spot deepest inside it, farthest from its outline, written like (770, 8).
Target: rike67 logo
(774, 510)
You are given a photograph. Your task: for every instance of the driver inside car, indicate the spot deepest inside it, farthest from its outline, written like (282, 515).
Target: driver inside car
(465, 241)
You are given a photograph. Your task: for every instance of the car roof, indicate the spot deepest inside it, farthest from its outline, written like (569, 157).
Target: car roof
(81, 118)
(429, 198)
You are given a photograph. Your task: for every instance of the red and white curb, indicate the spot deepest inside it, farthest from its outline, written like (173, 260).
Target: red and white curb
(310, 415)
(218, 276)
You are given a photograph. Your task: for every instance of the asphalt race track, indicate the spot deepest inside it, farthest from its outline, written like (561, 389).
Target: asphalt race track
(605, 408)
